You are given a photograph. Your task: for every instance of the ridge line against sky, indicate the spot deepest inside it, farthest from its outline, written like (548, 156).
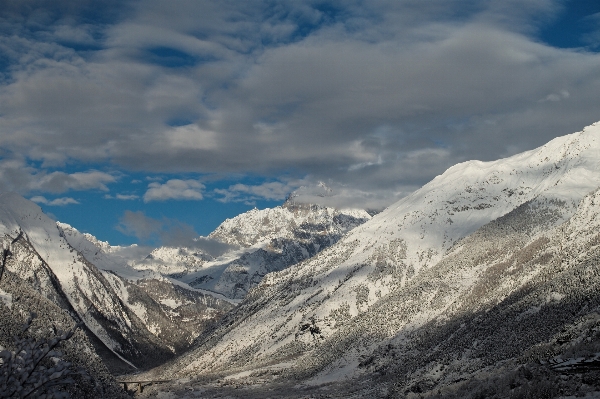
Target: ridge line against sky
(189, 112)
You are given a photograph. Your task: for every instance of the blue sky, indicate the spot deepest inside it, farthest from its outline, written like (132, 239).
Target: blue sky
(143, 121)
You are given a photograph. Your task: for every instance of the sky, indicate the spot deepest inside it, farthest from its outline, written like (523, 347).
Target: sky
(153, 121)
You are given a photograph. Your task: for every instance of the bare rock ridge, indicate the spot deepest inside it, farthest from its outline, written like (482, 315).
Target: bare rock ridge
(479, 278)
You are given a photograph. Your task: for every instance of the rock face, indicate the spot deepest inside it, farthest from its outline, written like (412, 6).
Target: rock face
(490, 267)
(261, 241)
(134, 320)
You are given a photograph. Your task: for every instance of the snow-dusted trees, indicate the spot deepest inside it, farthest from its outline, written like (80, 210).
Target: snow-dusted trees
(34, 368)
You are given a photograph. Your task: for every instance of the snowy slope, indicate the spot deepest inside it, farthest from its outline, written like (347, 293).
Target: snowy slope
(50, 317)
(100, 253)
(512, 310)
(133, 315)
(173, 261)
(170, 309)
(299, 312)
(520, 291)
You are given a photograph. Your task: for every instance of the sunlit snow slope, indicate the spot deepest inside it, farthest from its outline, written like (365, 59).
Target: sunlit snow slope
(298, 312)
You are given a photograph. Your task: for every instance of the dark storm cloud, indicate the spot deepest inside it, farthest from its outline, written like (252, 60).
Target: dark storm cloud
(377, 97)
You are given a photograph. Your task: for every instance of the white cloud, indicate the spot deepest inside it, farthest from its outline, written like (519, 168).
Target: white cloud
(58, 182)
(554, 97)
(17, 176)
(127, 197)
(123, 197)
(312, 191)
(139, 225)
(174, 189)
(272, 191)
(168, 232)
(340, 196)
(191, 137)
(55, 202)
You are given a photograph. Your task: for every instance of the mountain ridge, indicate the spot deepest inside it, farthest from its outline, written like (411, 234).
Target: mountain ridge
(419, 297)
(124, 317)
(261, 241)
(297, 316)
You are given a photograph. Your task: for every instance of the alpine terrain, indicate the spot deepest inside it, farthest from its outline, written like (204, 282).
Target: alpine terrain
(137, 314)
(133, 319)
(256, 243)
(483, 283)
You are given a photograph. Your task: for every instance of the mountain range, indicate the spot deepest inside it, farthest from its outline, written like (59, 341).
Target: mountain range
(138, 313)
(480, 277)
(135, 319)
(482, 283)
(261, 241)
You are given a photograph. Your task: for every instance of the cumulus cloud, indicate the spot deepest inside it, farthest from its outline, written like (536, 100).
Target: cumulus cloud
(16, 175)
(126, 197)
(55, 202)
(175, 189)
(132, 252)
(339, 196)
(562, 95)
(312, 191)
(168, 232)
(139, 225)
(59, 182)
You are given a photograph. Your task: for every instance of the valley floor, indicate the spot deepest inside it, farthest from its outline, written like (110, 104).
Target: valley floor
(252, 389)
(531, 381)
(242, 390)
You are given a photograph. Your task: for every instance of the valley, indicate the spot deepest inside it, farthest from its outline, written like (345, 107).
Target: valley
(482, 282)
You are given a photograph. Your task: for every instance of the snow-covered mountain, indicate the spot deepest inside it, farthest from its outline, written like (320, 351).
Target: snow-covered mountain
(133, 318)
(489, 268)
(173, 261)
(18, 297)
(260, 242)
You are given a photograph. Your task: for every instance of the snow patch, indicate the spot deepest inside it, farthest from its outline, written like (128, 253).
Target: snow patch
(7, 298)
(170, 302)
